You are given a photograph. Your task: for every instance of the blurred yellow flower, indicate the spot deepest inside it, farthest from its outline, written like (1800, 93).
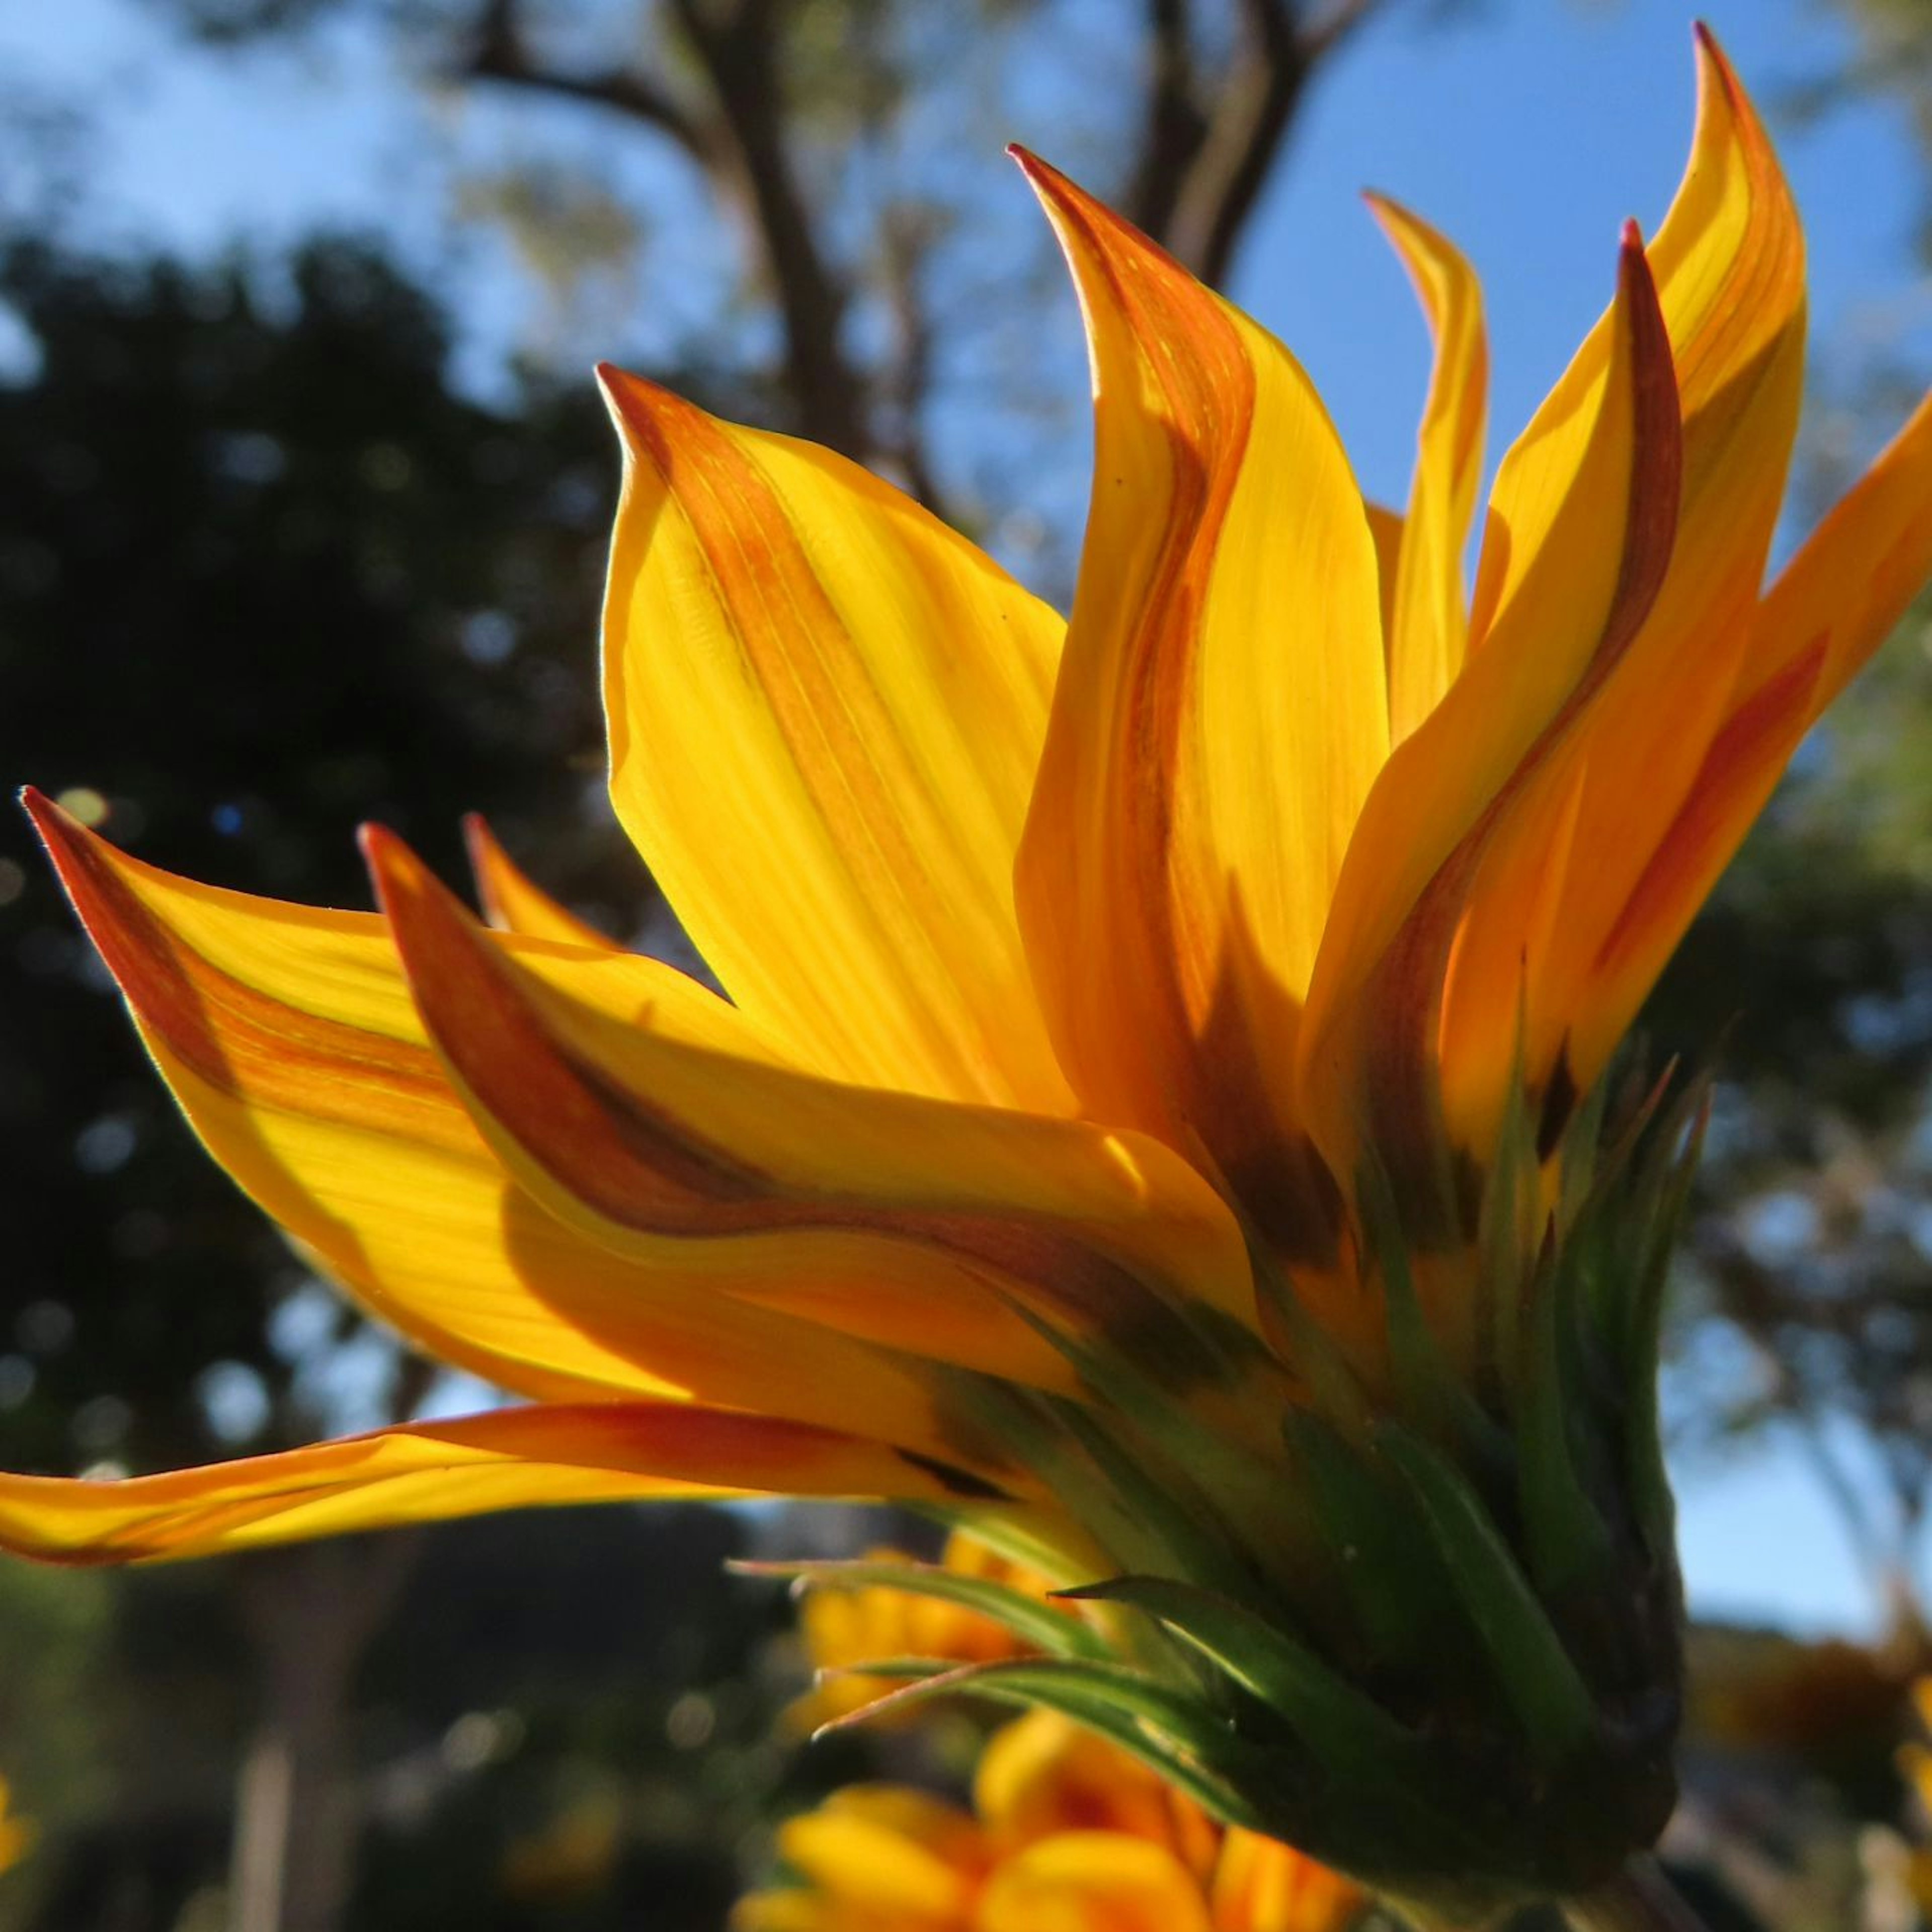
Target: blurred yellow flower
(842, 1627)
(1915, 1761)
(17, 1833)
(1066, 1833)
(1159, 1114)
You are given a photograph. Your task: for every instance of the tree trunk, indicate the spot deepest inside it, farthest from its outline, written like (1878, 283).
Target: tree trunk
(310, 1612)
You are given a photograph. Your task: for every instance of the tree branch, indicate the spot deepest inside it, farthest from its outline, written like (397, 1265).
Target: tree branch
(1173, 125)
(736, 44)
(499, 52)
(1257, 98)
(738, 139)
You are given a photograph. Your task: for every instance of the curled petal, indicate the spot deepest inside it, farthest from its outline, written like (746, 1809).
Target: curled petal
(1219, 718)
(825, 710)
(515, 902)
(427, 1472)
(645, 1131)
(1730, 269)
(1586, 709)
(1373, 1036)
(1427, 622)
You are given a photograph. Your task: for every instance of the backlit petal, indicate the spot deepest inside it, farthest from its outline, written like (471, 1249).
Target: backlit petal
(289, 1037)
(825, 711)
(1833, 604)
(1730, 264)
(1372, 1040)
(1566, 727)
(1428, 622)
(514, 901)
(425, 1472)
(1220, 714)
(648, 1132)
(1855, 578)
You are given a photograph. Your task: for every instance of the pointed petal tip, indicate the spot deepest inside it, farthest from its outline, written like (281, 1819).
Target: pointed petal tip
(1631, 237)
(46, 816)
(394, 867)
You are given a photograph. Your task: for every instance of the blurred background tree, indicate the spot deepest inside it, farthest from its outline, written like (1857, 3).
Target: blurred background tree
(271, 566)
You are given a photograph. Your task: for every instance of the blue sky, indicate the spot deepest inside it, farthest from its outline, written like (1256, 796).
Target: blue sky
(1529, 133)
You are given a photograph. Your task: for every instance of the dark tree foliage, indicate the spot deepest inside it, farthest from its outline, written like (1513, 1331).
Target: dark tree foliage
(263, 575)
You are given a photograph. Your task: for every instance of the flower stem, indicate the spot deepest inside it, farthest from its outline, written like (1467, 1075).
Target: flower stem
(1641, 1900)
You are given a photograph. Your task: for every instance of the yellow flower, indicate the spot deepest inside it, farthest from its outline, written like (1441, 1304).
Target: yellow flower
(1066, 1833)
(17, 1833)
(846, 1621)
(1156, 1117)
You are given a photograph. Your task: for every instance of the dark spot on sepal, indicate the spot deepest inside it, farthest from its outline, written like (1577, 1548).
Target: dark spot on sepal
(1559, 1102)
(954, 1481)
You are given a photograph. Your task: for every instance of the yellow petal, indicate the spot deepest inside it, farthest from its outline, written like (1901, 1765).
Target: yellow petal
(1220, 714)
(825, 711)
(1371, 1042)
(1735, 779)
(515, 902)
(1428, 623)
(1730, 263)
(1092, 1882)
(1554, 707)
(291, 1040)
(644, 1135)
(1833, 605)
(426, 1472)
(1856, 575)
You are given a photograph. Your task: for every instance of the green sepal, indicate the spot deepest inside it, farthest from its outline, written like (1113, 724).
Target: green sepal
(1651, 1501)
(1370, 1532)
(1500, 1233)
(1533, 1669)
(1029, 1619)
(1331, 1385)
(1172, 1535)
(1178, 1737)
(1428, 1387)
(1568, 1543)
(1341, 1727)
(1245, 1494)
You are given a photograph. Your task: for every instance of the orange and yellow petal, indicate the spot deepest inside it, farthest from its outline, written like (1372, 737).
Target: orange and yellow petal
(289, 1036)
(1730, 273)
(1220, 713)
(1599, 468)
(644, 1130)
(513, 901)
(424, 1472)
(825, 710)
(1426, 606)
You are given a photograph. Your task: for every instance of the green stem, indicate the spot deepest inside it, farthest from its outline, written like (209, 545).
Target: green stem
(1642, 1900)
